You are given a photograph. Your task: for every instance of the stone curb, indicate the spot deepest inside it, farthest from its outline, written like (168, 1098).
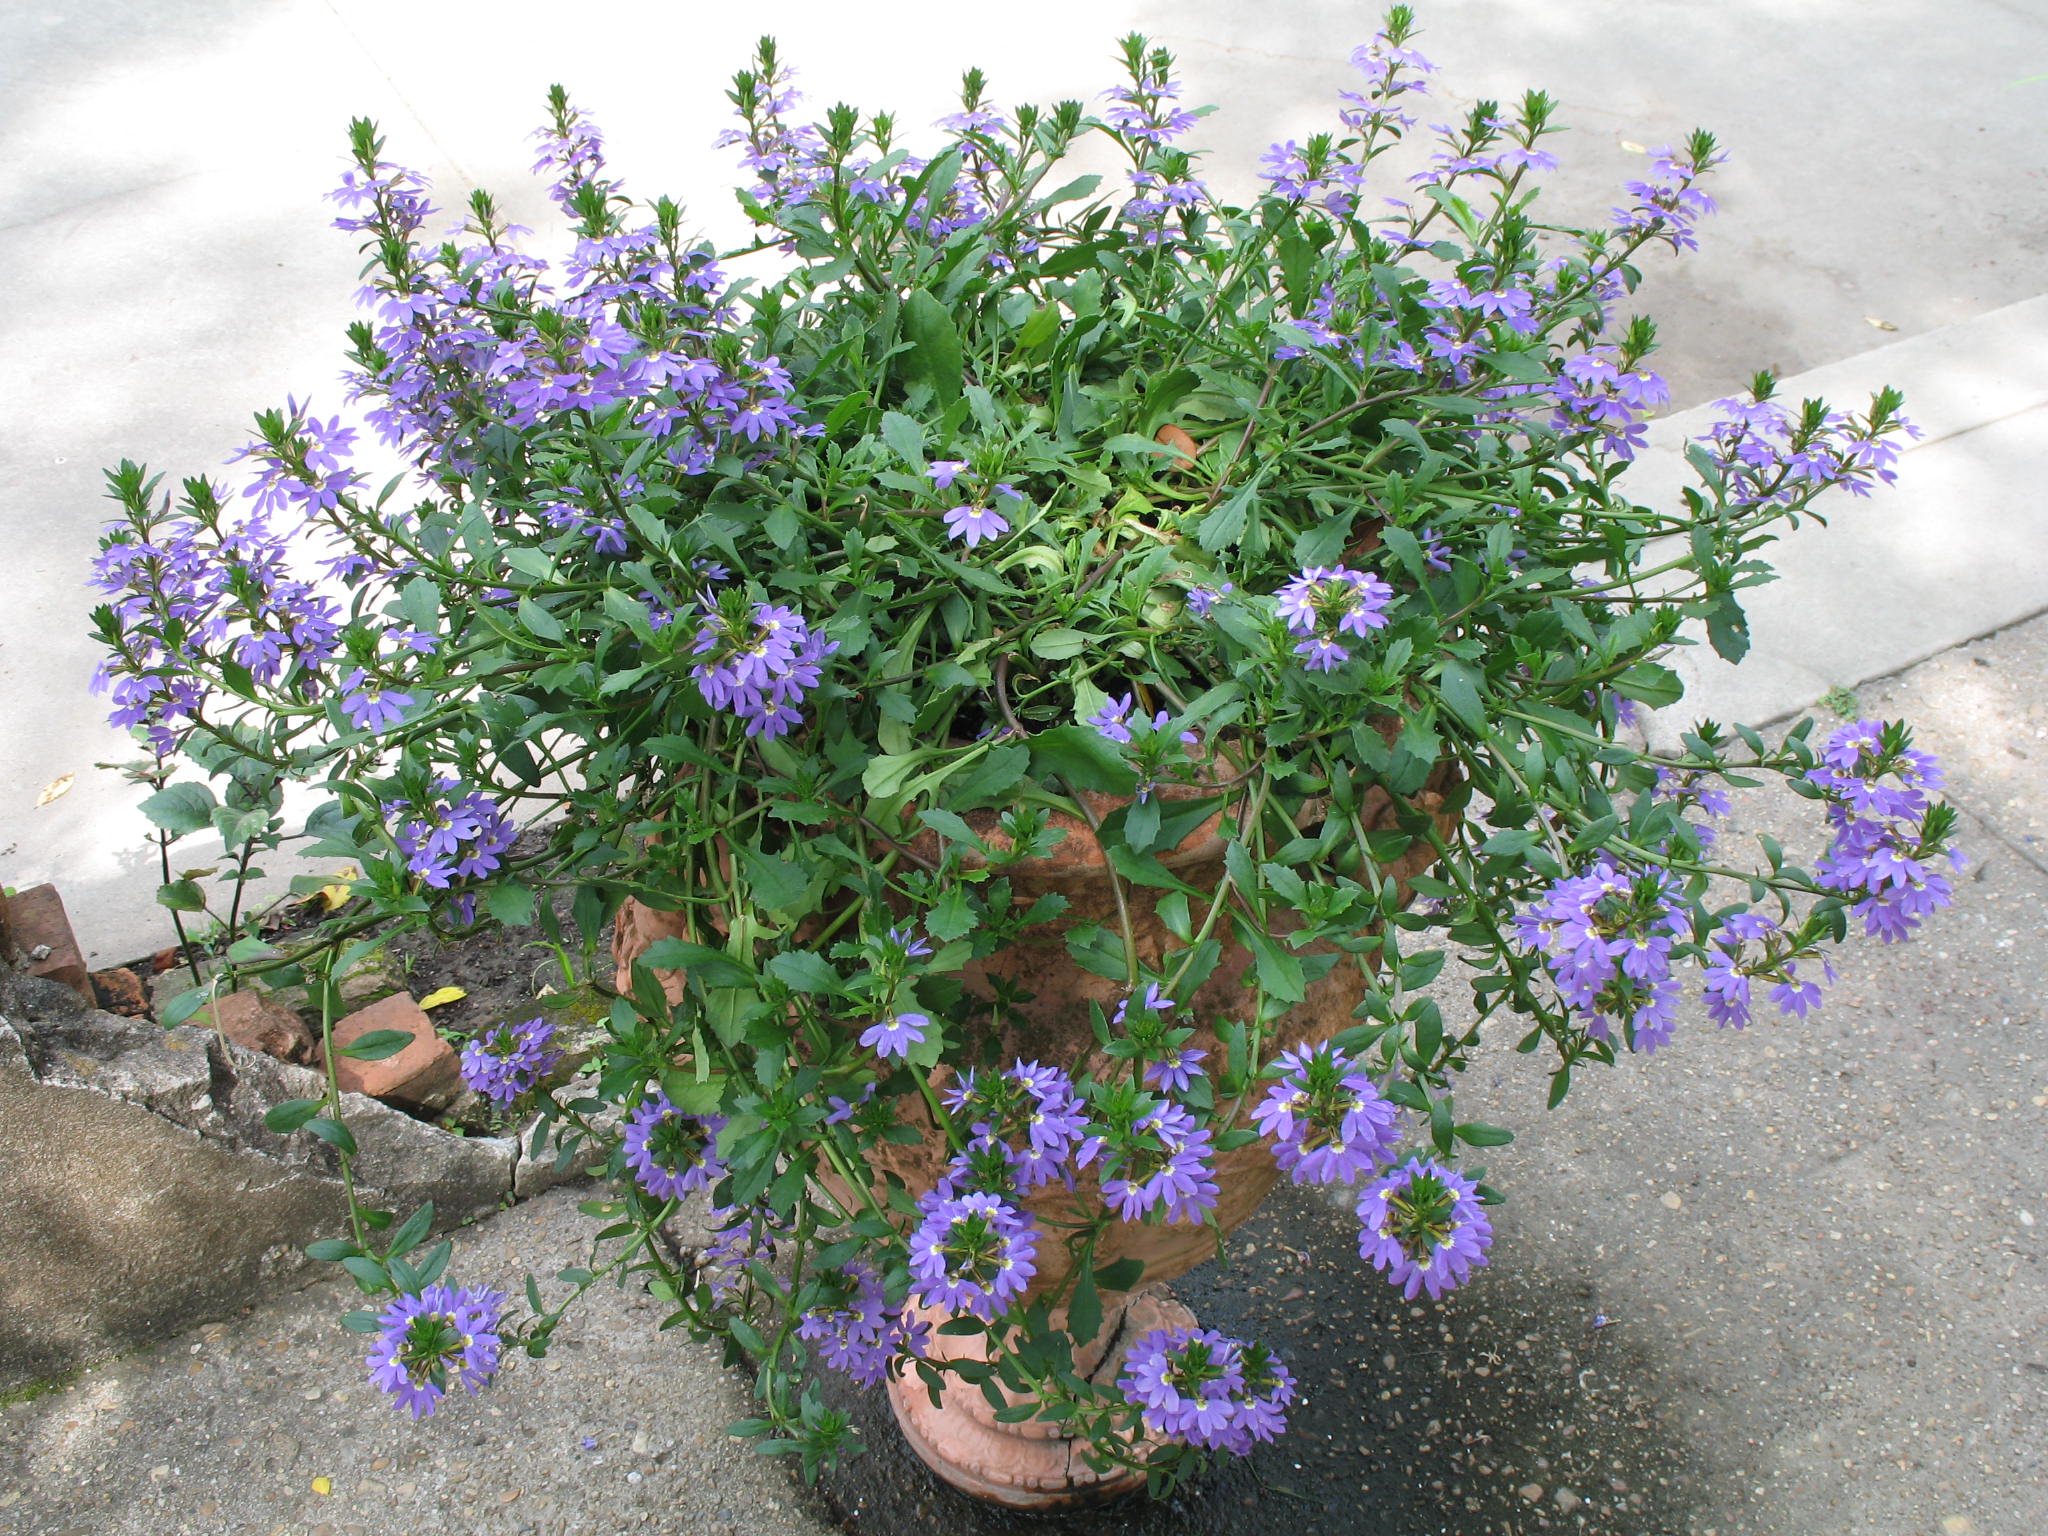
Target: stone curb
(143, 1194)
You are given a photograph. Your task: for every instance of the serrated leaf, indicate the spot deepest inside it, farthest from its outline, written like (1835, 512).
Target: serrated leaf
(181, 809)
(803, 971)
(710, 967)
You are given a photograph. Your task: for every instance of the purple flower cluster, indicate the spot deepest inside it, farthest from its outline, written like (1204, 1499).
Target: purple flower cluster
(508, 1059)
(446, 839)
(972, 1253)
(1606, 936)
(671, 1153)
(1731, 969)
(1881, 858)
(1164, 1162)
(759, 667)
(1326, 1118)
(1112, 721)
(422, 1340)
(1324, 602)
(1765, 455)
(1199, 1386)
(1423, 1224)
(1669, 204)
(1026, 1123)
(1594, 393)
(864, 1334)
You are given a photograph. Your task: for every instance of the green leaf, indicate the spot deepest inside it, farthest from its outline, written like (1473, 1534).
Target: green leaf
(1280, 973)
(1060, 644)
(905, 438)
(291, 1114)
(1083, 759)
(801, 970)
(1728, 629)
(934, 356)
(1084, 1311)
(510, 904)
(181, 896)
(539, 620)
(1476, 1134)
(992, 777)
(1650, 684)
(181, 809)
(952, 917)
(331, 1250)
(1525, 367)
(378, 1044)
(1225, 525)
(1460, 685)
(951, 827)
(333, 1132)
(184, 1006)
(777, 884)
(413, 1232)
(710, 967)
(1121, 1275)
(1040, 328)
(885, 776)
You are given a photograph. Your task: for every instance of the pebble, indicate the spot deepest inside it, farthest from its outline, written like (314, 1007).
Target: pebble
(1567, 1500)
(1672, 1201)
(1531, 1491)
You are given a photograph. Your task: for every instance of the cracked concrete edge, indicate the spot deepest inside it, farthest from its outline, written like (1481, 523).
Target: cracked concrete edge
(141, 1193)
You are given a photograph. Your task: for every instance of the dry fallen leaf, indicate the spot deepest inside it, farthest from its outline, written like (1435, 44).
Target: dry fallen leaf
(442, 995)
(1882, 325)
(323, 1485)
(337, 894)
(1633, 147)
(55, 789)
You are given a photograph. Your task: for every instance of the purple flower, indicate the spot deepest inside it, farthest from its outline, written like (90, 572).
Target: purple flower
(972, 1253)
(943, 472)
(670, 1152)
(973, 523)
(1154, 1001)
(1324, 602)
(1176, 1071)
(759, 668)
(895, 1037)
(1165, 1164)
(861, 1336)
(444, 839)
(1606, 935)
(506, 1060)
(1325, 1117)
(1199, 1386)
(1202, 600)
(369, 705)
(1424, 1226)
(1882, 857)
(424, 1339)
(1031, 1113)
(1109, 721)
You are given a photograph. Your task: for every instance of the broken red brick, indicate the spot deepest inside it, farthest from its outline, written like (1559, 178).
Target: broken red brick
(425, 1075)
(252, 1020)
(121, 991)
(41, 932)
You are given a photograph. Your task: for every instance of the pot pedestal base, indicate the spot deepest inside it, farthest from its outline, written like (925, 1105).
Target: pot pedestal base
(1029, 1465)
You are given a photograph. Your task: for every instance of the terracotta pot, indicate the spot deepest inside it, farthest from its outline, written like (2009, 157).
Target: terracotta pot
(1027, 1465)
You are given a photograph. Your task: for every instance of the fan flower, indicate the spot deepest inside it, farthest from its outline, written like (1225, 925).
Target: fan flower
(1424, 1226)
(972, 1253)
(427, 1340)
(671, 1153)
(507, 1060)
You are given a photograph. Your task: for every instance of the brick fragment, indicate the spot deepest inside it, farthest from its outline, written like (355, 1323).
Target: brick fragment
(121, 991)
(425, 1075)
(261, 1024)
(41, 932)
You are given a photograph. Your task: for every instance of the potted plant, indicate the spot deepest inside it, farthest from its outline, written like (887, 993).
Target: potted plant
(1007, 652)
